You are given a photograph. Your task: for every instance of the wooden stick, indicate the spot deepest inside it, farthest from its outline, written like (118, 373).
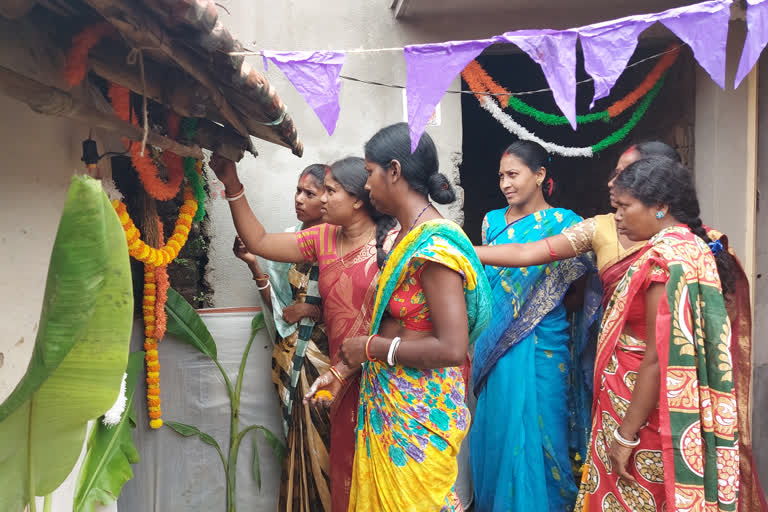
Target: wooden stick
(49, 100)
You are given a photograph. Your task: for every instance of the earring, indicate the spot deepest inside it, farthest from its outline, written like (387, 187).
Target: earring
(538, 183)
(659, 215)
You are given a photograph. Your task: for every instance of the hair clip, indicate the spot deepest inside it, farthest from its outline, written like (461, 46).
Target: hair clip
(716, 247)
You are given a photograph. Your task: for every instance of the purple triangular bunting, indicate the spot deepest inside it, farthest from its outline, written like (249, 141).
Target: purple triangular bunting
(316, 76)
(555, 52)
(430, 70)
(757, 37)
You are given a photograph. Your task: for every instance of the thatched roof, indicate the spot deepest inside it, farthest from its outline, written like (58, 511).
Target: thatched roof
(185, 49)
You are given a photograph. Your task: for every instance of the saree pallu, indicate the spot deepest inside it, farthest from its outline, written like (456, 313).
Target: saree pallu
(688, 457)
(348, 288)
(524, 376)
(411, 422)
(297, 360)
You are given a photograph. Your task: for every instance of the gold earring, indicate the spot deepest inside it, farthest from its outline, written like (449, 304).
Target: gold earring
(538, 183)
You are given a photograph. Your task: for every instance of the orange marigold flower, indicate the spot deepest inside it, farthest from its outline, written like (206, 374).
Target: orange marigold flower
(155, 414)
(153, 402)
(153, 380)
(153, 391)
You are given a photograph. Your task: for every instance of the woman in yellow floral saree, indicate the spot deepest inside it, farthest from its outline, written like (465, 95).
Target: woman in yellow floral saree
(432, 301)
(664, 428)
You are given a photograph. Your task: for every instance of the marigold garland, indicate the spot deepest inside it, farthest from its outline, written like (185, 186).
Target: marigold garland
(150, 346)
(164, 255)
(479, 81)
(145, 167)
(77, 57)
(161, 285)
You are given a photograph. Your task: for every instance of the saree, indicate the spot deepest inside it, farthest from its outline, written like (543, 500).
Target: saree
(411, 422)
(297, 360)
(688, 456)
(347, 286)
(524, 377)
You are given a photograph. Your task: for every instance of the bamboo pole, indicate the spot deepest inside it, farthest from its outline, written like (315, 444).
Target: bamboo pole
(49, 100)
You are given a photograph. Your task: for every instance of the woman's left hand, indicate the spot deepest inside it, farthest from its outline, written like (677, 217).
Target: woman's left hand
(620, 457)
(352, 351)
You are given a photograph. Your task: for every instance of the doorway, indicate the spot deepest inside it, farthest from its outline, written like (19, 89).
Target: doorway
(580, 183)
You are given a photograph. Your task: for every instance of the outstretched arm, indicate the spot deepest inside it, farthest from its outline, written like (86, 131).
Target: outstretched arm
(272, 246)
(540, 252)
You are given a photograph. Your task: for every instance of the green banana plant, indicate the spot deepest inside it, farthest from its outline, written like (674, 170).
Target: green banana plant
(80, 353)
(111, 451)
(187, 326)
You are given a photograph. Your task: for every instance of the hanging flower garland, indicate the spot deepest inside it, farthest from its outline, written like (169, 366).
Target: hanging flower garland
(164, 255)
(479, 81)
(193, 170)
(145, 167)
(77, 56)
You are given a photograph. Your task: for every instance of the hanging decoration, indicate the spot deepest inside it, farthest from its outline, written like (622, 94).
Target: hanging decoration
(757, 37)
(144, 165)
(480, 82)
(477, 75)
(77, 56)
(316, 76)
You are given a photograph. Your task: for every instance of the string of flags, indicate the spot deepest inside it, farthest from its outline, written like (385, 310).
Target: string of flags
(607, 47)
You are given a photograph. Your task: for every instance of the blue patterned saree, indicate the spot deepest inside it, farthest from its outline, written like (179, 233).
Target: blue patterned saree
(520, 438)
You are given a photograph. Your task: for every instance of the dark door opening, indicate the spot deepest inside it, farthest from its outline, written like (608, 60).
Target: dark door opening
(580, 183)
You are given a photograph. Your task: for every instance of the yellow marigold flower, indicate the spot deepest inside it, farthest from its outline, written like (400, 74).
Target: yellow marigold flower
(151, 353)
(153, 409)
(323, 394)
(180, 228)
(153, 364)
(149, 298)
(144, 251)
(153, 374)
(156, 423)
(149, 331)
(124, 218)
(135, 245)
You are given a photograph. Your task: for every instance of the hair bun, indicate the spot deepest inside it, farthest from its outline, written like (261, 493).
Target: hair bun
(440, 189)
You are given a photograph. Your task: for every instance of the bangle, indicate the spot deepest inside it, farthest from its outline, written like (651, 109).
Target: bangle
(237, 196)
(260, 288)
(625, 442)
(264, 277)
(392, 349)
(336, 373)
(367, 347)
(552, 253)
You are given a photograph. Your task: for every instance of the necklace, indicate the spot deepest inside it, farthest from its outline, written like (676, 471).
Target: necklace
(418, 217)
(341, 244)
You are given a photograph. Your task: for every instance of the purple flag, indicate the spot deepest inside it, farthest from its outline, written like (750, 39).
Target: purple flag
(430, 70)
(316, 76)
(757, 37)
(703, 27)
(607, 48)
(555, 52)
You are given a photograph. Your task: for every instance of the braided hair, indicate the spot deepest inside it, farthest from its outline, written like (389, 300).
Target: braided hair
(659, 180)
(351, 174)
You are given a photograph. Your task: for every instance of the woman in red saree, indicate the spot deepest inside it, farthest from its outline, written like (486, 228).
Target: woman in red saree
(348, 249)
(664, 431)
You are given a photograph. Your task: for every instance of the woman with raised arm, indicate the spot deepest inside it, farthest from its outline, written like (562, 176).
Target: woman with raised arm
(664, 431)
(520, 435)
(432, 302)
(291, 296)
(348, 251)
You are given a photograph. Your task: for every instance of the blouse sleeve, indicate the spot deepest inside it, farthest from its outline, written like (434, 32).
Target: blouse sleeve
(580, 235)
(308, 240)
(318, 243)
(485, 227)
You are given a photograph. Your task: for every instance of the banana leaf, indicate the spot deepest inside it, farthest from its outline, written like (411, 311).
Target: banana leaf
(80, 353)
(184, 323)
(111, 451)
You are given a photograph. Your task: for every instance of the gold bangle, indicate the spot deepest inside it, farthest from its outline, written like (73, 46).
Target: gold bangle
(336, 373)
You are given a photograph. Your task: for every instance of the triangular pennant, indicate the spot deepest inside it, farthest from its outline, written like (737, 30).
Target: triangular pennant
(316, 76)
(703, 27)
(757, 37)
(555, 52)
(607, 47)
(430, 70)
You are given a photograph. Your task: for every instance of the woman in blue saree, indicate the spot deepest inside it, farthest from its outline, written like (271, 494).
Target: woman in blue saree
(522, 370)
